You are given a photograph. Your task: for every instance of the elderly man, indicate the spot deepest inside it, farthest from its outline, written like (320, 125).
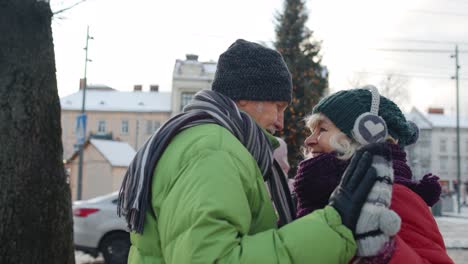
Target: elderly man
(195, 192)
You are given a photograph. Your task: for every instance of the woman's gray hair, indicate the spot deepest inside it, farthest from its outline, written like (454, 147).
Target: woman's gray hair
(344, 146)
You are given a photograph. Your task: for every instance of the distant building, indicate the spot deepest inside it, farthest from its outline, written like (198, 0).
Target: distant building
(104, 165)
(436, 149)
(131, 117)
(128, 117)
(189, 77)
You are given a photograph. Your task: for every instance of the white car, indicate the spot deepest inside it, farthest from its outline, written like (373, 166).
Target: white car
(98, 229)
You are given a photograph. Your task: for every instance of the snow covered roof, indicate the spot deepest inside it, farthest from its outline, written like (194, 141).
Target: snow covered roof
(195, 70)
(417, 117)
(116, 152)
(426, 120)
(440, 120)
(136, 101)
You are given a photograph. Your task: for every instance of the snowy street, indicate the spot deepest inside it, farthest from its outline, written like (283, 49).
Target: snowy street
(453, 227)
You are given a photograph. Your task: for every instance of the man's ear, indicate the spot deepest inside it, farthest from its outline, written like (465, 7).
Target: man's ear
(242, 103)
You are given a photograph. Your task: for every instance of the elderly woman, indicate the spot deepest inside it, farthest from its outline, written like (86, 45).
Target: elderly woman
(334, 139)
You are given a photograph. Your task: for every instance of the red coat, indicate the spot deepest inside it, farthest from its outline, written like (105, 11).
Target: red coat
(419, 239)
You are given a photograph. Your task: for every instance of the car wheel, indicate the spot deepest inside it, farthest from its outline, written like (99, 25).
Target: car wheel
(115, 248)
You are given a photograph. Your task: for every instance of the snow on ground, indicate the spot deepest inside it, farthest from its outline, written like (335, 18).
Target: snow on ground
(454, 228)
(83, 258)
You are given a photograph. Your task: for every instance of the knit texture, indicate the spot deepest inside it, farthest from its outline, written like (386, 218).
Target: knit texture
(428, 188)
(344, 107)
(250, 71)
(377, 223)
(315, 177)
(207, 107)
(384, 256)
(315, 180)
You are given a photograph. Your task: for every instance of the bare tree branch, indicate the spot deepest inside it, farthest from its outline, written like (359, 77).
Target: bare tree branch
(67, 8)
(395, 87)
(358, 79)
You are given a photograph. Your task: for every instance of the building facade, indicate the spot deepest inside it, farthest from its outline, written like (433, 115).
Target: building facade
(130, 117)
(104, 165)
(436, 149)
(122, 118)
(189, 77)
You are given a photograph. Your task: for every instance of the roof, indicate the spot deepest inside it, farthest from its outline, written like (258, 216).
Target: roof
(116, 152)
(112, 101)
(439, 120)
(417, 117)
(207, 72)
(425, 120)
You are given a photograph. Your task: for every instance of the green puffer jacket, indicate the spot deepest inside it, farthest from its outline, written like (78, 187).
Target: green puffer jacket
(212, 206)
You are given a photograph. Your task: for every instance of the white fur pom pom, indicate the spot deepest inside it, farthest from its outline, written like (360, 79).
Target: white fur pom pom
(390, 222)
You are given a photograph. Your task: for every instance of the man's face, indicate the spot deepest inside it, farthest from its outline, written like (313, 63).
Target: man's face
(268, 114)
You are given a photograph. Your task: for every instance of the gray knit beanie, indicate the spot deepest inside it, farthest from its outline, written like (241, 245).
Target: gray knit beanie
(249, 71)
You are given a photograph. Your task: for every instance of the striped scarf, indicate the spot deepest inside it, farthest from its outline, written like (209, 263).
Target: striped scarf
(207, 107)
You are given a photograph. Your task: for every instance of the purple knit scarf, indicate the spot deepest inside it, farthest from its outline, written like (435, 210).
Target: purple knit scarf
(428, 188)
(315, 180)
(317, 177)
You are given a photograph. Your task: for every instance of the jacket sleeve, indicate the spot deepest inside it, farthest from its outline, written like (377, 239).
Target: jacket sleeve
(419, 239)
(207, 212)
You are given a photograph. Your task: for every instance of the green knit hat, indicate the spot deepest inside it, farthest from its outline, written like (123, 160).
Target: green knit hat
(344, 107)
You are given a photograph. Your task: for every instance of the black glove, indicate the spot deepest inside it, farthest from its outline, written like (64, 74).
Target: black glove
(356, 183)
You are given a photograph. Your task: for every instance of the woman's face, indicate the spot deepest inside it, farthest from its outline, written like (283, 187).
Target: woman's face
(319, 141)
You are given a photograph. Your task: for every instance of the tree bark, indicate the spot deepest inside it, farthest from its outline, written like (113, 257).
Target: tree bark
(35, 204)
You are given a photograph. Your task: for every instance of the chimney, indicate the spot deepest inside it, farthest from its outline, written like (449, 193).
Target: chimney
(82, 83)
(435, 110)
(137, 88)
(191, 57)
(154, 88)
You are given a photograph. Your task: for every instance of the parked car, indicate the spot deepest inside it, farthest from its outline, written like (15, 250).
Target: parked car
(98, 229)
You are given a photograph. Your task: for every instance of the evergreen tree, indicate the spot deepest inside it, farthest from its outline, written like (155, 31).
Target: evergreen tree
(35, 205)
(310, 79)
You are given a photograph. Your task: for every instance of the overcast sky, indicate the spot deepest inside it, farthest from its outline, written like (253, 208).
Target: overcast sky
(137, 42)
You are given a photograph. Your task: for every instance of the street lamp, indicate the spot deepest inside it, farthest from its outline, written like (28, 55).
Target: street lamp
(82, 122)
(456, 77)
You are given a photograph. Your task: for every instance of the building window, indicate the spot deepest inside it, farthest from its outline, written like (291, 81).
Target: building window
(185, 98)
(424, 134)
(425, 144)
(443, 145)
(466, 165)
(149, 127)
(152, 126)
(426, 164)
(443, 163)
(124, 127)
(101, 126)
(156, 126)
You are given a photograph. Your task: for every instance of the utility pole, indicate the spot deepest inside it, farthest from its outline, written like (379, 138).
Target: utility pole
(83, 116)
(457, 68)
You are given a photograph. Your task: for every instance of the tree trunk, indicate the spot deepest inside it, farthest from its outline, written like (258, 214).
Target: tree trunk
(35, 205)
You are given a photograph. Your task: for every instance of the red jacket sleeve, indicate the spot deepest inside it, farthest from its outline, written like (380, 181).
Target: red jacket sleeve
(419, 239)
